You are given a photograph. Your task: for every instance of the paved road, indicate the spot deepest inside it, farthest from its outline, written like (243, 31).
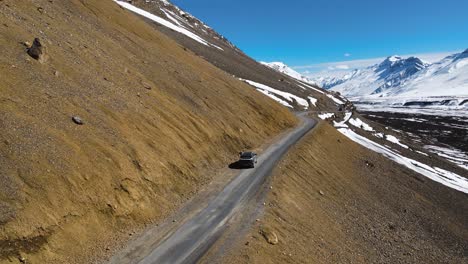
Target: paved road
(191, 240)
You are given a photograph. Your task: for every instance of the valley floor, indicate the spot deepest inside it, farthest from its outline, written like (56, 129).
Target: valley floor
(333, 201)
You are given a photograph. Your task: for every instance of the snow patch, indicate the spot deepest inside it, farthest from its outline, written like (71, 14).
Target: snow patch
(336, 100)
(395, 140)
(326, 116)
(313, 101)
(343, 123)
(453, 155)
(290, 97)
(165, 23)
(359, 123)
(442, 176)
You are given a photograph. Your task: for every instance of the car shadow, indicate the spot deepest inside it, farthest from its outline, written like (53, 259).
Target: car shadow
(236, 166)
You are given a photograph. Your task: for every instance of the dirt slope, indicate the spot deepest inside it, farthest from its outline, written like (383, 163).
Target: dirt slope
(333, 201)
(230, 59)
(156, 119)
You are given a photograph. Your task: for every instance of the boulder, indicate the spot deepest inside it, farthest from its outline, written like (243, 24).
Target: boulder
(269, 236)
(38, 51)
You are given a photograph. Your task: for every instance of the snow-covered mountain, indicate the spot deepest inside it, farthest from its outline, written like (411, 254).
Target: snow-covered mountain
(378, 78)
(285, 69)
(400, 77)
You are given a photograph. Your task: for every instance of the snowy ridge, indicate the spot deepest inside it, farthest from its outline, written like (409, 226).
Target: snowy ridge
(179, 27)
(397, 77)
(406, 83)
(285, 69)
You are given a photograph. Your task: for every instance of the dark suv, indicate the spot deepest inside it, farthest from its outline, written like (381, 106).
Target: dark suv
(247, 159)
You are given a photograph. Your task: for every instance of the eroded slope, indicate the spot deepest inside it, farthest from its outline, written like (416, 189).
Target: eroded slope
(156, 117)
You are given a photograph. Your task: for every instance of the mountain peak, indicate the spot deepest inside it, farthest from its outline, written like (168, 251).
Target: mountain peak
(393, 58)
(285, 69)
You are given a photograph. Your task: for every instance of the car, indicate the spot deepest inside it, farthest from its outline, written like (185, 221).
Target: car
(247, 159)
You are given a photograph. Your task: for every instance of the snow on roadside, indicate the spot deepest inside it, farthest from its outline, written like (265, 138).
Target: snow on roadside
(442, 176)
(360, 124)
(326, 116)
(343, 123)
(395, 140)
(453, 155)
(290, 97)
(336, 100)
(165, 23)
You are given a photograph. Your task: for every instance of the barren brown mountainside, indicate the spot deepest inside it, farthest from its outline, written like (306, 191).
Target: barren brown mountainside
(229, 58)
(333, 201)
(114, 128)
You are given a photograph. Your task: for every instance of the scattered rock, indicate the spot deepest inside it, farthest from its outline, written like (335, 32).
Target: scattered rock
(77, 120)
(22, 259)
(269, 236)
(27, 44)
(369, 164)
(38, 51)
(56, 73)
(321, 193)
(147, 86)
(107, 248)
(173, 221)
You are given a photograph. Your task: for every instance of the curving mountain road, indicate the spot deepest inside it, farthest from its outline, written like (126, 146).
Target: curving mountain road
(193, 238)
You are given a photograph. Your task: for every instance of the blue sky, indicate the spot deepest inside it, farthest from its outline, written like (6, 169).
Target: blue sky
(316, 32)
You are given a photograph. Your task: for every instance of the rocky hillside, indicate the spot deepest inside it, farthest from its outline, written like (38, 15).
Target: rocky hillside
(107, 125)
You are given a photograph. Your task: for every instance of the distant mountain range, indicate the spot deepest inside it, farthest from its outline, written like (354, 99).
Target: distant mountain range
(409, 78)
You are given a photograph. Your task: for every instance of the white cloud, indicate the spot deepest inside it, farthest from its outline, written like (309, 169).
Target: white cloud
(347, 54)
(337, 67)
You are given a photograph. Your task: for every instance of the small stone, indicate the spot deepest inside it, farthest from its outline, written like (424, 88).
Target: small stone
(56, 73)
(107, 248)
(173, 221)
(257, 220)
(77, 120)
(22, 259)
(147, 86)
(27, 44)
(321, 192)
